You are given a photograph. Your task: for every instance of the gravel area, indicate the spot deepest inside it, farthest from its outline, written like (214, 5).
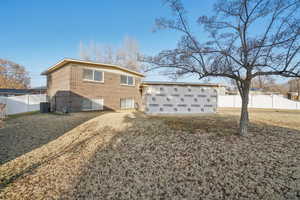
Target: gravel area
(131, 156)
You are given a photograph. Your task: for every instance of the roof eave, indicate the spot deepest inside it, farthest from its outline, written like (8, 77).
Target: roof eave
(68, 60)
(181, 83)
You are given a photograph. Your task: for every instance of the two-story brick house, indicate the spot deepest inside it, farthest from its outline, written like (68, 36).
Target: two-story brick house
(76, 85)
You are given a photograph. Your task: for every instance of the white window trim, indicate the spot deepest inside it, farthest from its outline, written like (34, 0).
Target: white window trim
(94, 76)
(126, 99)
(88, 109)
(127, 80)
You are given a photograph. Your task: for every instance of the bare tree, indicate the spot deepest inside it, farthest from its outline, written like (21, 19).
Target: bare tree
(13, 75)
(294, 86)
(247, 38)
(262, 82)
(126, 56)
(83, 51)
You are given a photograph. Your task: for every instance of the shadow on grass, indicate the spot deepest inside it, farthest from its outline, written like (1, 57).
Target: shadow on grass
(24, 133)
(168, 158)
(77, 144)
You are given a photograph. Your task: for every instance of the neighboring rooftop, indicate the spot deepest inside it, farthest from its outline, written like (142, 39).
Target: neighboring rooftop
(181, 83)
(69, 60)
(8, 91)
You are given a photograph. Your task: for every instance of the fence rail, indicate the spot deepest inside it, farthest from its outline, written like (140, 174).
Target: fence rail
(22, 103)
(259, 101)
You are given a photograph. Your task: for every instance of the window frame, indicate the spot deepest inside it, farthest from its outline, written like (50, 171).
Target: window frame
(89, 101)
(93, 70)
(126, 108)
(127, 76)
(93, 102)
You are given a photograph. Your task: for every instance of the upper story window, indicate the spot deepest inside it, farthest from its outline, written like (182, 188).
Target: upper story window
(127, 80)
(93, 75)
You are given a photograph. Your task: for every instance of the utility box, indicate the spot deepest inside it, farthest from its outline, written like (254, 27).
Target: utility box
(44, 107)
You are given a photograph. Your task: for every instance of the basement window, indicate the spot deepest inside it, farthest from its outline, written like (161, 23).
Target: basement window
(127, 103)
(93, 75)
(127, 80)
(91, 104)
(86, 104)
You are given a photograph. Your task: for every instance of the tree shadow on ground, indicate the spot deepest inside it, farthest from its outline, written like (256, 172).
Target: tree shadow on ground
(73, 144)
(152, 159)
(26, 133)
(188, 158)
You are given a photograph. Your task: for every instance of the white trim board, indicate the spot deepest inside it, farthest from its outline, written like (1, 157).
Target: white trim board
(115, 71)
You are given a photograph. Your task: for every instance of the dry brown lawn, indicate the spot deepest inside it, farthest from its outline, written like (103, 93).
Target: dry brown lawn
(24, 132)
(132, 156)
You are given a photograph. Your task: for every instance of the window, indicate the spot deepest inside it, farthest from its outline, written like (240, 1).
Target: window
(93, 75)
(98, 76)
(130, 80)
(127, 80)
(123, 79)
(127, 103)
(86, 104)
(92, 104)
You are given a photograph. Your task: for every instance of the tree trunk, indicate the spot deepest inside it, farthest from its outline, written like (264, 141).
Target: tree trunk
(298, 89)
(244, 120)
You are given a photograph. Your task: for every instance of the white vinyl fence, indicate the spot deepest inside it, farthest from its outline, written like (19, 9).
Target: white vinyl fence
(259, 101)
(23, 103)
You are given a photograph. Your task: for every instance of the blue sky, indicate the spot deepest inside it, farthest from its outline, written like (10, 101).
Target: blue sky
(37, 34)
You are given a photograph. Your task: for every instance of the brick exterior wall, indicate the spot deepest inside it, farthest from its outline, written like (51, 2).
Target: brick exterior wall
(66, 88)
(58, 87)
